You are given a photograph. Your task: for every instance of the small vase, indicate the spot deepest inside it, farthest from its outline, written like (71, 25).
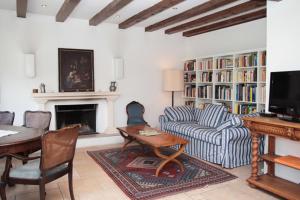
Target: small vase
(113, 86)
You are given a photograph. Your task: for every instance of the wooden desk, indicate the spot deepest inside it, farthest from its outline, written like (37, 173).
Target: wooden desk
(27, 140)
(273, 127)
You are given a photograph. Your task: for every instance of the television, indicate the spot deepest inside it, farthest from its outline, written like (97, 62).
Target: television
(285, 94)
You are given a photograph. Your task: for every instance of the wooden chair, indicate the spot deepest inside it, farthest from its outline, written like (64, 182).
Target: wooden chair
(56, 160)
(37, 119)
(135, 112)
(7, 118)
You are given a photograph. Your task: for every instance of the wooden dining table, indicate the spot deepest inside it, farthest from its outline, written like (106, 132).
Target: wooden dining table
(26, 140)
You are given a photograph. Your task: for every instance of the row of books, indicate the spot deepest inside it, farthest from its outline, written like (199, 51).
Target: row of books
(190, 65)
(205, 92)
(263, 57)
(247, 60)
(206, 76)
(189, 77)
(223, 92)
(247, 76)
(262, 92)
(224, 76)
(223, 63)
(190, 91)
(246, 93)
(190, 103)
(244, 108)
(206, 64)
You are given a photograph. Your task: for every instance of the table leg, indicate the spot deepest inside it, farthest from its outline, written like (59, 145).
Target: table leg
(255, 145)
(271, 151)
(168, 159)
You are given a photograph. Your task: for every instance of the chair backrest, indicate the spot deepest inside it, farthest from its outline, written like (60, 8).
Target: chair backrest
(37, 119)
(135, 112)
(58, 147)
(7, 118)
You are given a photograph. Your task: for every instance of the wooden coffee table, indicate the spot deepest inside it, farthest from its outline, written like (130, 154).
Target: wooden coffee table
(131, 133)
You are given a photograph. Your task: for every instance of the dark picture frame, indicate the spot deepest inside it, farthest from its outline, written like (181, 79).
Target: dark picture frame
(76, 70)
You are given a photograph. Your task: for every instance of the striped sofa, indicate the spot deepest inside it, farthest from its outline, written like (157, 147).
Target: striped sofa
(214, 134)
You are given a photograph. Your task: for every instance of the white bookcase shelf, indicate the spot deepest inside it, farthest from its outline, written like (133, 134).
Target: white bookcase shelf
(237, 80)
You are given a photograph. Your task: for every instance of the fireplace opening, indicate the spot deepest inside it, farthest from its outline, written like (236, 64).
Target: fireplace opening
(84, 114)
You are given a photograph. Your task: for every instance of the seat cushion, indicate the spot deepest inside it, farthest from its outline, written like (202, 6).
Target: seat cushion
(31, 171)
(179, 113)
(195, 131)
(212, 116)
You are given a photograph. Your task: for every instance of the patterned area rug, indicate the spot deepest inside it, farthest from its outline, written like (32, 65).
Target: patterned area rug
(133, 170)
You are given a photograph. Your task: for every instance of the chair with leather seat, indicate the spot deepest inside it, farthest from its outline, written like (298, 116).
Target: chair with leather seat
(135, 112)
(56, 160)
(7, 118)
(37, 119)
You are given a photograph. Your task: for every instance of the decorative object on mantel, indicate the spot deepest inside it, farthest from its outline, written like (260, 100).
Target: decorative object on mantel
(173, 81)
(29, 65)
(35, 90)
(112, 87)
(76, 70)
(42, 88)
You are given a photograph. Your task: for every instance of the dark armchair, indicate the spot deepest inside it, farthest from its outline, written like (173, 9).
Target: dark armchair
(135, 112)
(56, 160)
(7, 118)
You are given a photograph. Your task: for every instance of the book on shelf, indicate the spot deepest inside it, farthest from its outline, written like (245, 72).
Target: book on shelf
(189, 77)
(244, 108)
(224, 76)
(206, 77)
(263, 56)
(262, 94)
(223, 92)
(223, 63)
(190, 91)
(247, 76)
(206, 64)
(246, 93)
(263, 75)
(189, 65)
(246, 60)
(205, 92)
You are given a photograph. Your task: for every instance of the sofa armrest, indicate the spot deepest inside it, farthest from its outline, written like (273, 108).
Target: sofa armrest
(162, 120)
(235, 133)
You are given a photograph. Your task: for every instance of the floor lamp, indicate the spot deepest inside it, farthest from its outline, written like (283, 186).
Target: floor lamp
(173, 81)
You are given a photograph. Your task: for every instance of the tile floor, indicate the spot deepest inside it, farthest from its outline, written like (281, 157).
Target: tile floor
(92, 183)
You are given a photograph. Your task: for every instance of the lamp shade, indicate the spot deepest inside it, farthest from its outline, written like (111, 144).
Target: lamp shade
(29, 65)
(173, 80)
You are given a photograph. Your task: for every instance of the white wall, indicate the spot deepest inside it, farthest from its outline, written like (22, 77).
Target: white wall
(283, 42)
(145, 55)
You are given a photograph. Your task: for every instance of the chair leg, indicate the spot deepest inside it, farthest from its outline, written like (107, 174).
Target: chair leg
(42, 191)
(2, 191)
(70, 177)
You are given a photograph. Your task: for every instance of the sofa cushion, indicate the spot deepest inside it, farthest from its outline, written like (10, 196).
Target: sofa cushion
(234, 121)
(195, 131)
(197, 114)
(179, 113)
(212, 116)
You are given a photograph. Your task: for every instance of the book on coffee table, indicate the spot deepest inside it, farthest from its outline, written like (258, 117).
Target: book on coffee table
(149, 132)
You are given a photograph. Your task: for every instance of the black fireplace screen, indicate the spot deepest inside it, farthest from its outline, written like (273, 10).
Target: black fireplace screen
(84, 114)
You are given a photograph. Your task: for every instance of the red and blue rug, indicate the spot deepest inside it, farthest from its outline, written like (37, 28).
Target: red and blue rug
(133, 170)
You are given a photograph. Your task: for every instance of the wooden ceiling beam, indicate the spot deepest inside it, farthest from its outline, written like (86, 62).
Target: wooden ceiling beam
(227, 23)
(66, 9)
(197, 10)
(21, 8)
(149, 12)
(108, 11)
(238, 9)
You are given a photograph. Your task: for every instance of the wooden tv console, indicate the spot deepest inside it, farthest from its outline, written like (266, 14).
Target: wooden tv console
(273, 127)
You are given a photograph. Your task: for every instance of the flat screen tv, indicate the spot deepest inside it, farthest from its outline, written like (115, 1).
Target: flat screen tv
(285, 94)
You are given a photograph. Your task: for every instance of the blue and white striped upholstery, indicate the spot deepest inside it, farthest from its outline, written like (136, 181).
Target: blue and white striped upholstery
(197, 114)
(162, 120)
(179, 113)
(212, 115)
(233, 122)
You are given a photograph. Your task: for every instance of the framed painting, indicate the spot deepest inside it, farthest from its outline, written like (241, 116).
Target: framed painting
(76, 70)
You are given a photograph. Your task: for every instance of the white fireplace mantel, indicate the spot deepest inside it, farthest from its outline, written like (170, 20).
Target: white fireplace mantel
(110, 97)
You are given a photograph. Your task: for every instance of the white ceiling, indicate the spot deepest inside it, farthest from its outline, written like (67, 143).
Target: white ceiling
(86, 9)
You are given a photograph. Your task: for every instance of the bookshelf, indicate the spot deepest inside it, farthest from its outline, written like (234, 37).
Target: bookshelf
(237, 80)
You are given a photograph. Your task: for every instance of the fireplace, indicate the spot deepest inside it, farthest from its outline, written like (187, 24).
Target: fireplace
(84, 114)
